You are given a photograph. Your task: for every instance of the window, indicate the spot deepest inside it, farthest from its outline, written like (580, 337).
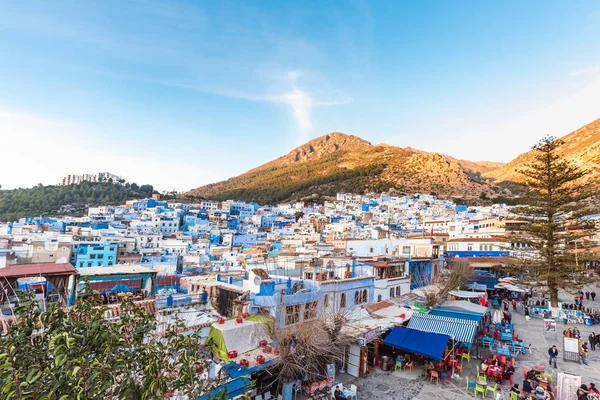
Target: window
(378, 298)
(89, 264)
(81, 264)
(122, 253)
(371, 249)
(398, 290)
(110, 263)
(392, 292)
(343, 300)
(326, 301)
(360, 296)
(292, 314)
(308, 275)
(112, 249)
(405, 249)
(310, 310)
(100, 255)
(110, 257)
(469, 247)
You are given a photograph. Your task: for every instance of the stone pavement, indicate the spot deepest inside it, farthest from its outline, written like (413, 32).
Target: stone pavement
(412, 385)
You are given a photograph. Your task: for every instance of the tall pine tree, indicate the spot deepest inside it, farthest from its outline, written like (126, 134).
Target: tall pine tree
(552, 211)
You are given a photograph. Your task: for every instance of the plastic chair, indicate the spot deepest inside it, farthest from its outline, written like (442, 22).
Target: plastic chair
(332, 393)
(459, 367)
(354, 391)
(259, 397)
(493, 390)
(409, 366)
(447, 376)
(470, 385)
(279, 397)
(479, 389)
(268, 396)
(514, 396)
(525, 373)
(436, 375)
(398, 366)
(466, 355)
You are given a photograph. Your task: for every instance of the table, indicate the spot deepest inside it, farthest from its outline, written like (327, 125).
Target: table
(503, 352)
(495, 371)
(481, 383)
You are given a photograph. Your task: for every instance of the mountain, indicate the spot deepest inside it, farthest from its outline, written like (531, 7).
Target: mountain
(340, 162)
(581, 146)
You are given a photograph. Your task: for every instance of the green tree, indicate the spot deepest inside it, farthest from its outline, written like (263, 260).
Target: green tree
(78, 354)
(551, 213)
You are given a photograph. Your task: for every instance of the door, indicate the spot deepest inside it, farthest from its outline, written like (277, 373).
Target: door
(354, 360)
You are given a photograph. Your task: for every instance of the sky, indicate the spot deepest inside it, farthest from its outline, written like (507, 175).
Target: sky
(179, 94)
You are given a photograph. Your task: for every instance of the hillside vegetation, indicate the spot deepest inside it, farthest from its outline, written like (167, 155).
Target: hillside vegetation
(62, 200)
(338, 162)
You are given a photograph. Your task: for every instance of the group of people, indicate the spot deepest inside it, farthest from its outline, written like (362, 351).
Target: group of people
(533, 389)
(594, 341)
(586, 392)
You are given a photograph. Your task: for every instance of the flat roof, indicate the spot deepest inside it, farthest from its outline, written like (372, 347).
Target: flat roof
(123, 269)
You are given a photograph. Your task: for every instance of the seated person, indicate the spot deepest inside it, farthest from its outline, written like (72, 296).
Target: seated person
(400, 359)
(507, 373)
(495, 362)
(527, 387)
(515, 389)
(429, 366)
(540, 393)
(483, 367)
(338, 394)
(531, 375)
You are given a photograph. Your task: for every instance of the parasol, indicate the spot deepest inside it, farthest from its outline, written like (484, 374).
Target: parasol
(539, 368)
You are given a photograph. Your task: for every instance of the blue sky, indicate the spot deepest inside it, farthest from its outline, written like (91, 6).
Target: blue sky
(184, 93)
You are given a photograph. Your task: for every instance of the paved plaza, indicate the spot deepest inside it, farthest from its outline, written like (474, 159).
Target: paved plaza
(412, 384)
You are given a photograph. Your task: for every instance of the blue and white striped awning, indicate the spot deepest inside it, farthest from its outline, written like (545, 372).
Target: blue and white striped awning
(462, 330)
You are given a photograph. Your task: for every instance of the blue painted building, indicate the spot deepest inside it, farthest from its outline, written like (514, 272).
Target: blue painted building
(94, 254)
(143, 204)
(423, 271)
(249, 239)
(292, 300)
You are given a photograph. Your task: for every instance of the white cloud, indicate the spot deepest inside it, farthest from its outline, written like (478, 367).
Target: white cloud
(586, 71)
(301, 104)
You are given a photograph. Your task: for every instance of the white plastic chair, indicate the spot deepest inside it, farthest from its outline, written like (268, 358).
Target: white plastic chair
(268, 396)
(354, 391)
(279, 397)
(259, 397)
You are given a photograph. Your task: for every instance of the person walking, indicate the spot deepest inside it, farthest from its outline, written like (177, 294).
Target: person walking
(587, 295)
(593, 341)
(553, 355)
(593, 294)
(576, 333)
(583, 353)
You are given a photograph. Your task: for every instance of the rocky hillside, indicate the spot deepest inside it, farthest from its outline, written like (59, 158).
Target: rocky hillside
(339, 162)
(581, 146)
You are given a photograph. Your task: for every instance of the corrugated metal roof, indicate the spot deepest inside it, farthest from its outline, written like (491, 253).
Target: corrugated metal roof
(462, 330)
(28, 270)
